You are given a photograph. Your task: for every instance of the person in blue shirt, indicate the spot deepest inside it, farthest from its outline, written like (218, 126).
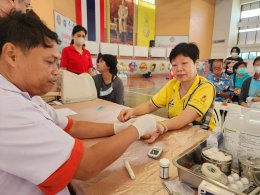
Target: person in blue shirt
(221, 81)
(238, 77)
(250, 91)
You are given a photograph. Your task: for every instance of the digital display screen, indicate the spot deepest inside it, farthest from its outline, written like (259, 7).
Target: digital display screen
(154, 152)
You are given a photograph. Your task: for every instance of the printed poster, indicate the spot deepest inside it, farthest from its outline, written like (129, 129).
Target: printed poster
(63, 27)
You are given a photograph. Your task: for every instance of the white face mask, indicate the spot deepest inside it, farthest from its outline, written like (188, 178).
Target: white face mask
(234, 54)
(79, 41)
(257, 69)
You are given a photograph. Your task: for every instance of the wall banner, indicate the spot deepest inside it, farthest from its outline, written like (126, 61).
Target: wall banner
(170, 41)
(63, 27)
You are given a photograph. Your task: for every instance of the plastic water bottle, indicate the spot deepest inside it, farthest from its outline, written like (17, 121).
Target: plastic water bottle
(249, 136)
(232, 126)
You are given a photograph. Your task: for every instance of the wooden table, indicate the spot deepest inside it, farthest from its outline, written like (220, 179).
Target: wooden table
(115, 179)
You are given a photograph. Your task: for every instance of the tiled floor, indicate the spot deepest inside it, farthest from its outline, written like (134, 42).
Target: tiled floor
(139, 90)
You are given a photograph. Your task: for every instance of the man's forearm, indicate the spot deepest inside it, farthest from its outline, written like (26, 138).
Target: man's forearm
(102, 154)
(86, 129)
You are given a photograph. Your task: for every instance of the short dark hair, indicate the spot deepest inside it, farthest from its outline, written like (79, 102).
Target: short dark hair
(235, 67)
(76, 29)
(236, 48)
(190, 50)
(111, 62)
(256, 59)
(25, 31)
(217, 60)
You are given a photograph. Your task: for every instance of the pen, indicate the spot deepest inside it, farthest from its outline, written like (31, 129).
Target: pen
(129, 169)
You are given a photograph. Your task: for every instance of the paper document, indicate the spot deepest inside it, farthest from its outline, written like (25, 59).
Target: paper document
(65, 112)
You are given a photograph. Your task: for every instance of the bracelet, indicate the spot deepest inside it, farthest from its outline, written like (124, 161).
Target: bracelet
(164, 126)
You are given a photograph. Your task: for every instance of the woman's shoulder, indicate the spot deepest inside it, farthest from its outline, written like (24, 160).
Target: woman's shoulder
(247, 76)
(86, 51)
(229, 58)
(248, 79)
(232, 76)
(117, 80)
(205, 81)
(66, 48)
(97, 77)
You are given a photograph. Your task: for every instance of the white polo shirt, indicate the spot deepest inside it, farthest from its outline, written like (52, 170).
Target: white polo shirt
(37, 155)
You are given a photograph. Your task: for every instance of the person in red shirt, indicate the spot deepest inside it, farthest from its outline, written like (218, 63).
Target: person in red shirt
(75, 58)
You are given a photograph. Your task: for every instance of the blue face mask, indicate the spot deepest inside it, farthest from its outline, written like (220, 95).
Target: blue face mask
(242, 71)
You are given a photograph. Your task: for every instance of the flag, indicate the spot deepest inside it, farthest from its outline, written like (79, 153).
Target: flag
(91, 15)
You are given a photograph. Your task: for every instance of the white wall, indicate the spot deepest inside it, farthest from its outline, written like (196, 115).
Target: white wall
(227, 14)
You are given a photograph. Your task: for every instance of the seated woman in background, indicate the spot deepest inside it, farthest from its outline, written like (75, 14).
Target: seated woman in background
(109, 86)
(250, 91)
(238, 77)
(221, 81)
(188, 97)
(232, 60)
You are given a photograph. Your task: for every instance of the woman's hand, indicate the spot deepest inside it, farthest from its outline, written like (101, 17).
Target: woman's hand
(151, 137)
(125, 114)
(256, 99)
(237, 91)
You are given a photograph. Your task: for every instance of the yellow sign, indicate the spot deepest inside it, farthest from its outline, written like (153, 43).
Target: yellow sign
(146, 23)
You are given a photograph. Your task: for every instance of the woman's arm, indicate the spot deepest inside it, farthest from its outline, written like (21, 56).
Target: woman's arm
(244, 92)
(144, 108)
(185, 118)
(119, 87)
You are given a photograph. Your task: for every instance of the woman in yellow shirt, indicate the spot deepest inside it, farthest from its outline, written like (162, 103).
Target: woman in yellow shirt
(188, 98)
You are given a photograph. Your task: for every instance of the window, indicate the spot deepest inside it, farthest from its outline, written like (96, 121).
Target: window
(252, 55)
(249, 25)
(245, 55)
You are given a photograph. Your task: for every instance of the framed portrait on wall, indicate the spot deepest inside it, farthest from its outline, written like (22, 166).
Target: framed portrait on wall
(121, 20)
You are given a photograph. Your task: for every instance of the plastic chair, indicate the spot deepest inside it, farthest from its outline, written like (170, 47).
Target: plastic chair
(77, 88)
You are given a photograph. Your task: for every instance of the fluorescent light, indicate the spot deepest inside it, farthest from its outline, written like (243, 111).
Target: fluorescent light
(250, 13)
(150, 1)
(249, 30)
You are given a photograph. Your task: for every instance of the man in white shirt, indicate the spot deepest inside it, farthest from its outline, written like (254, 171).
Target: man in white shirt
(39, 150)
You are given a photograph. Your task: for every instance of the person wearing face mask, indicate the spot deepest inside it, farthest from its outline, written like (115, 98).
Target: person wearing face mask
(75, 58)
(6, 6)
(109, 86)
(239, 76)
(232, 60)
(250, 91)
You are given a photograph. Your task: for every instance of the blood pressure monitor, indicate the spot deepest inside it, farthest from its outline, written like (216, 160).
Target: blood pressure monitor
(155, 152)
